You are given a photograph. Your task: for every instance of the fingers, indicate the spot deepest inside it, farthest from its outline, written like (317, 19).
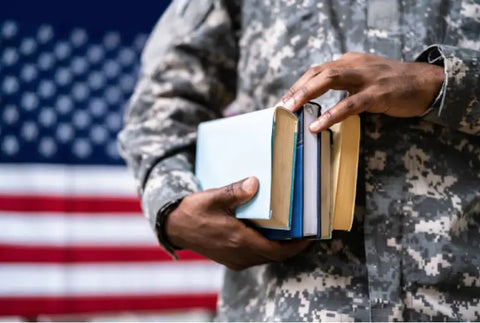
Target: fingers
(310, 73)
(313, 84)
(234, 194)
(273, 250)
(351, 105)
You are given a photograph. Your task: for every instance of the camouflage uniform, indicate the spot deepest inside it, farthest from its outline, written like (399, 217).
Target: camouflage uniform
(413, 253)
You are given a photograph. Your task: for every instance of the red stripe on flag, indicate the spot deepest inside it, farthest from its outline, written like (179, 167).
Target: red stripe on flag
(70, 204)
(87, 254)
(32, 306)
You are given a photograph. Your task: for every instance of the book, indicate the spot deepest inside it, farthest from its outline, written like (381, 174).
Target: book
(345, 152)
(307, 181)
(296, 229)
(312, 185)
(317, 179)
(260, 144)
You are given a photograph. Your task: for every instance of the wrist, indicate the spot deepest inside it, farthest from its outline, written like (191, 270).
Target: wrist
(163, 216)
(171, 229)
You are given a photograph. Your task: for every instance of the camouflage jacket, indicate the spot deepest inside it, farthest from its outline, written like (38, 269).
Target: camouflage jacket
(413, 253)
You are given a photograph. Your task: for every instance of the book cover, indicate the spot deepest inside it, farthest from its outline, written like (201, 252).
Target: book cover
(260, 144)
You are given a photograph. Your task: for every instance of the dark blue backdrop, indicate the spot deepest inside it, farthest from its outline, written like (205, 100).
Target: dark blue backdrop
(67, 70)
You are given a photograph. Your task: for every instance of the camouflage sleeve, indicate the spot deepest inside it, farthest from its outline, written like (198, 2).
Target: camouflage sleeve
(459, 102)
(188, 75)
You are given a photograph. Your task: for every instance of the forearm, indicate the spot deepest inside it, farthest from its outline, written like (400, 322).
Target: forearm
(185, 80)
(459, 103)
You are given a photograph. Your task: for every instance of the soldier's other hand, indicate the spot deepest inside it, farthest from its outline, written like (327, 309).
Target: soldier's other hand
(374, 84)
(204, 222)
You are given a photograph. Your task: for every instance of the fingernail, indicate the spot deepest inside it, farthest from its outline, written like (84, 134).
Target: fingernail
(316, 125)
(249, 184)
(289, 104)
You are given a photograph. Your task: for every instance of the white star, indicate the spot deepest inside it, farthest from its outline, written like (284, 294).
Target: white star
(114, 122)
(112, 150)
(46, 61)
(46, 89)
(81, 119)
(10, 85)
(97, 107)
(113, 95)
(10, 114)
(64, 104)
(80, 91)
(139, 42)
(45, 33)
(47, 117)
(10, 56)
(98, 134)
(63, 76)
(64, 132)
(96, 80)
(127, 83)
(9, 29)
(10, 145)
(111, 69)
(29, 131)
(79, 65)
(126, 56)
(47, 147)
(111, 40)
(81, 148)
(95, 54)
(29, 72)
(78, 37)
(28, 46)
(29, 101)
(62, 50)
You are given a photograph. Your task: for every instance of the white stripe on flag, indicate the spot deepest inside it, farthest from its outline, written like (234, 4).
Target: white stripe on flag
(110, 279)
(78, 229)
(65, 179)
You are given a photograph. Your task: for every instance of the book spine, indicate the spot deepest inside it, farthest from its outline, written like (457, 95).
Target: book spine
(296, 205)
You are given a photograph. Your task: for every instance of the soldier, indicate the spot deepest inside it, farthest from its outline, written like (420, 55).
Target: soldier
(413, 250)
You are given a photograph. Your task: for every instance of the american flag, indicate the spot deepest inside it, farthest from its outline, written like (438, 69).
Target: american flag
(72, 236)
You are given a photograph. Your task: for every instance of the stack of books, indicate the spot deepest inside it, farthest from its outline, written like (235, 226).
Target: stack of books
(307, 181)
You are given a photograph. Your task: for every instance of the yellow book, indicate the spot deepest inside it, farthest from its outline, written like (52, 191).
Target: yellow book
(345, 154)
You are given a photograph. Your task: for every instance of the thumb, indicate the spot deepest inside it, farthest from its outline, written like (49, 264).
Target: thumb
(237, 193)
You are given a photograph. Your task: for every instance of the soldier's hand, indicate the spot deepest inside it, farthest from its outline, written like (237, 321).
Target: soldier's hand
(204, 222)
(374, 84)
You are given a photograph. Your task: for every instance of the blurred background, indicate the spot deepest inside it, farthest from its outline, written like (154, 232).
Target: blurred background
(73, 242)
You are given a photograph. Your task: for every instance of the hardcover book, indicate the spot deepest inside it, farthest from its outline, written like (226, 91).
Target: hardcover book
(260, 144)
(307, 181)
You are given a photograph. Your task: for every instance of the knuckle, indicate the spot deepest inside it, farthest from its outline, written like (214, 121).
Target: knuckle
(349, 105)
(290, 92)
(230, 190)
(332, 73)
(327, 115)
(235, 240)
(230, 212)
(304, 90)
(314, 70)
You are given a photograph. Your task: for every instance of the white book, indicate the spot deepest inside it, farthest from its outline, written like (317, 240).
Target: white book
(316, 178)
(310, 172)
